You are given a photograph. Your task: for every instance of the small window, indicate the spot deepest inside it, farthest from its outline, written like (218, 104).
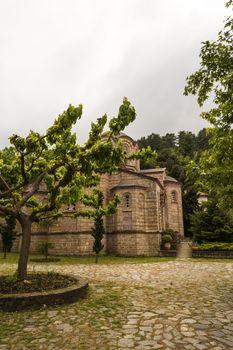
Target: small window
(162, 199)
(174, 197)
(127, 199)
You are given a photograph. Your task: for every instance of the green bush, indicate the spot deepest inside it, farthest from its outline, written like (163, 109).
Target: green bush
(216, 246)
(166, 238)
(43, 248)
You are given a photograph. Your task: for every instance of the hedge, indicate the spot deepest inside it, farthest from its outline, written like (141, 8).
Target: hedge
(215, 246)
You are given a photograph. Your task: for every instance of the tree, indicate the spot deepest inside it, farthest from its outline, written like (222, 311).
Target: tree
(186, 143)
(202, 140)
(211, 223)
(8, 232)
(98, 211)
(57, 163)
(215, 78)
(43, 248)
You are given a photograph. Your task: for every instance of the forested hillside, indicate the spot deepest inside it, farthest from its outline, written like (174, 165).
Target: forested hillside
(174, 153)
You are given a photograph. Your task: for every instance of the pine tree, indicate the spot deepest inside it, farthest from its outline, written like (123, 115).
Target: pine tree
(8, 232)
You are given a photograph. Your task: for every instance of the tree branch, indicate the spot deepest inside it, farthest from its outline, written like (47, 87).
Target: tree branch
(9, 191)
(29, 194)
(55, 167)
(8, 211)
(4, 182)
(33, 161)
(62, 183)
(23, 167)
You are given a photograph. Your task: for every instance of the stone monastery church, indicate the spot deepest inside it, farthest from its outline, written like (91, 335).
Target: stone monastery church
(150, 203)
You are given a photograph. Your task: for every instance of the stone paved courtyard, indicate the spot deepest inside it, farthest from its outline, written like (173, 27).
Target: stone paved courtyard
(172, 305)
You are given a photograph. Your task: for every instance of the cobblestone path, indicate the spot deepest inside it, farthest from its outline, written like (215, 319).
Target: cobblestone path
(173, 305)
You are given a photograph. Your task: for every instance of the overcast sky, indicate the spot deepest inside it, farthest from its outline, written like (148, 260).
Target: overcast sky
(95, 52)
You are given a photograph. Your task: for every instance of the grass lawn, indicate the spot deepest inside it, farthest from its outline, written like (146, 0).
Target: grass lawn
(12, 258)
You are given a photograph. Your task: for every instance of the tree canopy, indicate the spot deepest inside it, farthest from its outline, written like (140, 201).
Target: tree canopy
(214, 80)
(215, 77)
(55, 163)
(211, 224)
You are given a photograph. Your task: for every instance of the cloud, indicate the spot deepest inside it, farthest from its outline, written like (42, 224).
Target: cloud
(96, 52)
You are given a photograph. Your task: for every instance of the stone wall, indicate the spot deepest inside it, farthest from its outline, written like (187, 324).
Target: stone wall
(133, 243)
(142, 214)
(65, 243)
(173, 207)
(216, 254)
(126, 243)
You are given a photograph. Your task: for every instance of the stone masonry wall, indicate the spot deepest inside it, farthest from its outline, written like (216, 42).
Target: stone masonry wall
(65, 243)
(120, 243)
(173, 208)
(143, 213)
(133, 244)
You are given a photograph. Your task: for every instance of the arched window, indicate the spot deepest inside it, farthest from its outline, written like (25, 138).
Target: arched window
(127, 200)
(174, 197)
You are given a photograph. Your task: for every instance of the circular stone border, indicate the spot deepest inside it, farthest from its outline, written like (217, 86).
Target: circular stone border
(43, 260)
(15, 302)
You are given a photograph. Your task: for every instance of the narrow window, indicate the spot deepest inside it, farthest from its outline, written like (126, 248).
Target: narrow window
(127, 199)
(162, 199)
(174, 197)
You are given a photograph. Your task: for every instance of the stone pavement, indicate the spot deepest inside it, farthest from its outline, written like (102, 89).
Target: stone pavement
(173, 305)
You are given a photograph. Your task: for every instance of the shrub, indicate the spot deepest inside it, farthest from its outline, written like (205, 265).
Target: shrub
(8, 233)
(166, 238)
(216, 246)
(43, 248)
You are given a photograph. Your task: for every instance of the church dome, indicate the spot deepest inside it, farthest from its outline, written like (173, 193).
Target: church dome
(129, 146)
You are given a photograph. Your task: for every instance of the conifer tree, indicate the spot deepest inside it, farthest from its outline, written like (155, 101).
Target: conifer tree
(7, 230)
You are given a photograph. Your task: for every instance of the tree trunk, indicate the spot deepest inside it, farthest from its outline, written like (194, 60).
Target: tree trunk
(4, 250)
(26, 225)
